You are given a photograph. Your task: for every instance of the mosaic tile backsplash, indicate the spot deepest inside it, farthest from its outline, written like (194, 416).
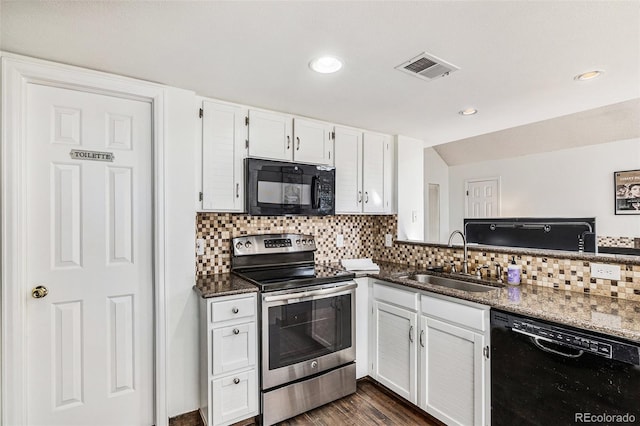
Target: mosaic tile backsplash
(364, 237)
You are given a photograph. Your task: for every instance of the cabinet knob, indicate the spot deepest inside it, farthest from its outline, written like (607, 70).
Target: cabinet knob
(236, 380)
(235, 310)
(236, 331)
(314, 364)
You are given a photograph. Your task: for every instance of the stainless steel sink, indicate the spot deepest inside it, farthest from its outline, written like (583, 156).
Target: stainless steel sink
(449, 283)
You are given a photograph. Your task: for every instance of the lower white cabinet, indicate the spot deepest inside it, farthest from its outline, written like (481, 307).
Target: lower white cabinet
(228, 359)
(441, 363)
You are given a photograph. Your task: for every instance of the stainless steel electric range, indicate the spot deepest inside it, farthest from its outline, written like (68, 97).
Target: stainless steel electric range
(308, 323)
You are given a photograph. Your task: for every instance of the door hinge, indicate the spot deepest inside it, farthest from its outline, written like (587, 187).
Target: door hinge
(201, 113)
(200, 196)
(485, 352)
(246, 143)
(246, 120)
(467, 193)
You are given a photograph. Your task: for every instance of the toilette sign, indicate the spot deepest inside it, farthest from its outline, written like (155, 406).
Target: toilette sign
(77, 154)
(627, 190)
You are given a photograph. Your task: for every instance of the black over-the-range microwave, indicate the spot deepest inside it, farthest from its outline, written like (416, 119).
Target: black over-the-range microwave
(284, 188)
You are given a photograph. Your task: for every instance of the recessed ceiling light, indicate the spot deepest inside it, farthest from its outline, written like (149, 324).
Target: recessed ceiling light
(468, 111)
(588, 75)
(325, 64)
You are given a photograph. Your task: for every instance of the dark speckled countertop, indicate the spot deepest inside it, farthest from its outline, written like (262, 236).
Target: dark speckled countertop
(217, 285)
(616, 317)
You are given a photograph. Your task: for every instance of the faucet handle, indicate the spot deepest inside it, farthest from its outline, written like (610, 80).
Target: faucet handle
(453, 267)
(479, 270)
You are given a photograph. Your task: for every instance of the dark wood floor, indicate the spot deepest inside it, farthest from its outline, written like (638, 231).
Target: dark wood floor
(370, 405)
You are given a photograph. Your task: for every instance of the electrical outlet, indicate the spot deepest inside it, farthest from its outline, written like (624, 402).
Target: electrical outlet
(604, 271)
(388, 240)
(339, 240)
(200, 246)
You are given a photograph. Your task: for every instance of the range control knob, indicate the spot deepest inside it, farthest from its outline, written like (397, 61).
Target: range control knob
(248, 244)
(304, 242)
(239, 246)
(298, 242)
(314, 364)
(311, 242)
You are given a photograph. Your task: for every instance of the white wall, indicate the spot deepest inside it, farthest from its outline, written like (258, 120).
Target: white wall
(410, 188)
(575, 182)
(436, 171)
(180, 214)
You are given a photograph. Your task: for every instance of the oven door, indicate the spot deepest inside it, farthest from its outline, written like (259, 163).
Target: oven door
(282, 188)
(307, 331)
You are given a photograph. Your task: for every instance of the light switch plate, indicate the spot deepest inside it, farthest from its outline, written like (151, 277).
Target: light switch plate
(604, 271)
(200, 246)
(388, 241)
(339, 240)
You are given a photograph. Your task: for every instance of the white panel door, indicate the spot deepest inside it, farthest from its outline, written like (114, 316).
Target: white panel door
(394, 349)
(223, 152)
(270, 135)
(348, 162)
(312, 142)
(373, 147)
(483, 198)
(89, 242)
(452, 373)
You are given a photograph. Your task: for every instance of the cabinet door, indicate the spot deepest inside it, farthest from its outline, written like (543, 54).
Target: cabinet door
(389, 173)
(312, 142)
(348, 160)
(373, 146)
(452, 373)
(270, 135)
(223, 152)
(395, 349)
(234, 347)
(234, 397)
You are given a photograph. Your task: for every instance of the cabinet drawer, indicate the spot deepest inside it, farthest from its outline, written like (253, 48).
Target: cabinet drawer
(234, 397)
(233, 348)
(458, 313)
(233, 309)
(386, 293)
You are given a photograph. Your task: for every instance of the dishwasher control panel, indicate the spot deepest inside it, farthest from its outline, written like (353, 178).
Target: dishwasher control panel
(562, 336)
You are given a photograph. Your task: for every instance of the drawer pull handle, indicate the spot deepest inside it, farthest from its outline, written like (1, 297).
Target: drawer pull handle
(422, 338)
(236, 380)
(235, 310)
(411, 334)
(236, 331)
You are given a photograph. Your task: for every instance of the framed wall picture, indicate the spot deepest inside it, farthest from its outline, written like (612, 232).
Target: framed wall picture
(627, 191)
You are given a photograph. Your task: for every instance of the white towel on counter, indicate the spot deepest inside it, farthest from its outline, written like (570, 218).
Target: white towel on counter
(364, 264)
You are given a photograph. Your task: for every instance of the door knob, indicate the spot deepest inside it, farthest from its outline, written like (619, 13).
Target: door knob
(39, 292)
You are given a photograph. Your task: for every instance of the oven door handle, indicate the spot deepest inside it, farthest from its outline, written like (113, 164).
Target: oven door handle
(306, 294)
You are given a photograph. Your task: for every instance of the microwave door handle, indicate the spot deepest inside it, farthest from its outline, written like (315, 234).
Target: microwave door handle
(315, 192)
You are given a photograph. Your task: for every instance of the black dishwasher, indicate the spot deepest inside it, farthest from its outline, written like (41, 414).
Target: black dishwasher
(546, 374)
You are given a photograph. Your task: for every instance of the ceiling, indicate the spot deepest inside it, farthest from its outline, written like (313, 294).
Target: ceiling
(517, 59)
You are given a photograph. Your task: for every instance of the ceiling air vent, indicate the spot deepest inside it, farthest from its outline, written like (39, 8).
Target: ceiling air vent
(427, 67)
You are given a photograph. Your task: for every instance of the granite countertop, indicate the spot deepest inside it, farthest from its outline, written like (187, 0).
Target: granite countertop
(217, 285)
(615, 317)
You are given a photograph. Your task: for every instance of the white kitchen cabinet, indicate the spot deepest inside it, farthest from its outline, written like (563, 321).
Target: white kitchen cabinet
(228, 359)
(363, 307)
(394, 350)
(312, 141)
(224, 137)
(454, 383)
(364, 172)
(270, 135)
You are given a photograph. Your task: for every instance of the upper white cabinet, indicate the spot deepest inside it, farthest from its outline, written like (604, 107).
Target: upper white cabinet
(270, 135)
(224, 137)
(365, 166)
(348, 162)
(312, 141)
(281, 137)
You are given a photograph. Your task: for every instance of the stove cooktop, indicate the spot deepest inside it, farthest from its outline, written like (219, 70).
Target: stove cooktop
(290, 277)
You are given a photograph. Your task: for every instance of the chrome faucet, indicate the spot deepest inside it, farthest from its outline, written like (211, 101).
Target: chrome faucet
(465, 262)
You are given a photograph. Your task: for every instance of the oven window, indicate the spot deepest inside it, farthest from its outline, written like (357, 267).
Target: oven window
(307, 330)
